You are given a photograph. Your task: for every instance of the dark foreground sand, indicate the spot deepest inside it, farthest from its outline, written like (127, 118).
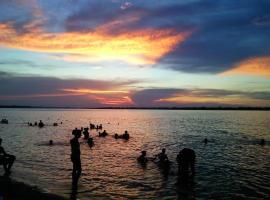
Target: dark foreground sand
(12, 190)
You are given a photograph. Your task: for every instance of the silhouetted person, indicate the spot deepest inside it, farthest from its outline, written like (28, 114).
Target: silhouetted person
(86, 133)
(76, 157)
(55, 124)
(125, 135)
(186, 163)
(40, 124)
(116, 136)
(163, 158)
(90, 142)
(6, 160)
(50, 142)
(103, 134)
(262, 142)
(4, 121)
(35, 124)
(142, 158)
(205, 141)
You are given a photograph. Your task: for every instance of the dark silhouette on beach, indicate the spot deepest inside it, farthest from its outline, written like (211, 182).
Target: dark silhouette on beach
(186, 164)
(6, 160)
(76, 157)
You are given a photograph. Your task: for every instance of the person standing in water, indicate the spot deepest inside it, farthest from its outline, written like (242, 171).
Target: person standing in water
(186, 163)
(76, 157)
(6, 160)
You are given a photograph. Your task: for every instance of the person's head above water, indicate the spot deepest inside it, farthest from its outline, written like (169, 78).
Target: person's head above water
(144, 153)
(163, 150)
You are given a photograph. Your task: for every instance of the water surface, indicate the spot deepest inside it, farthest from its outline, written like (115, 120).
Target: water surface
(231, 165)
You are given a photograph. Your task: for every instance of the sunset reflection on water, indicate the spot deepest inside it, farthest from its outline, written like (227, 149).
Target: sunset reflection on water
(110, 168)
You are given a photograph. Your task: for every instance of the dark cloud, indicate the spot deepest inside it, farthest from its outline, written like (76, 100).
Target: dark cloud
(225, 32)
(31, 85)
(147, 97)
(150, 97)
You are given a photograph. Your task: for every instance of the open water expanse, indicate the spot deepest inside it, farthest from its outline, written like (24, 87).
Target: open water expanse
(231, 166)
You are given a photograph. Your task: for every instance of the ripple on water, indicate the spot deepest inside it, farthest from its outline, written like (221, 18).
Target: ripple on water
(231, 166)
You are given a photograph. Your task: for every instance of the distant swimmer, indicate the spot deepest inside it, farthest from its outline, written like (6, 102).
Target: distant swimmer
(103, 134)
(163, 158)
(4, 121)
(6, 160)
(186, 163)
(50, 142)
(90, 142)
(40, 124)
(262, 142)
(76, 156)
(86, 133)
(142, 158)
(205, 141)
(125, 135)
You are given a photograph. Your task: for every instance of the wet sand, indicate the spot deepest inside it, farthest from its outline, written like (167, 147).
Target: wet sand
(13, 190)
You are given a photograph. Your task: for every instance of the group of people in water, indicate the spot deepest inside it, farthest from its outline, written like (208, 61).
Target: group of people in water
(40, 124)
(4, 121)
(185, 159)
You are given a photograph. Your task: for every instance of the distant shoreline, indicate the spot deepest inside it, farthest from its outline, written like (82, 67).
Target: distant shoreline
(147, 108)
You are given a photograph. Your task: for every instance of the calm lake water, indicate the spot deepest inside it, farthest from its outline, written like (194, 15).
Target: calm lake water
(231, 166)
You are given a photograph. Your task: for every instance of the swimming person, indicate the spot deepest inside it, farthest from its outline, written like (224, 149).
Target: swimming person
(90, 142)
(40, 124)
(125, 135)
(76, 157)
(163, 158)
(86, 133)
(186, 163)
(6, 160)
(142, 158)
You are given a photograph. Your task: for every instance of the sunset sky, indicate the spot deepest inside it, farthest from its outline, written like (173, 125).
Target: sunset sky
(102, 53)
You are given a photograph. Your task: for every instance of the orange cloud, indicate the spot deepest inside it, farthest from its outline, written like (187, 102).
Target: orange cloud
(107, 97)
(259, 66)
(137, 47)
(194, 98)
(90, 91)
